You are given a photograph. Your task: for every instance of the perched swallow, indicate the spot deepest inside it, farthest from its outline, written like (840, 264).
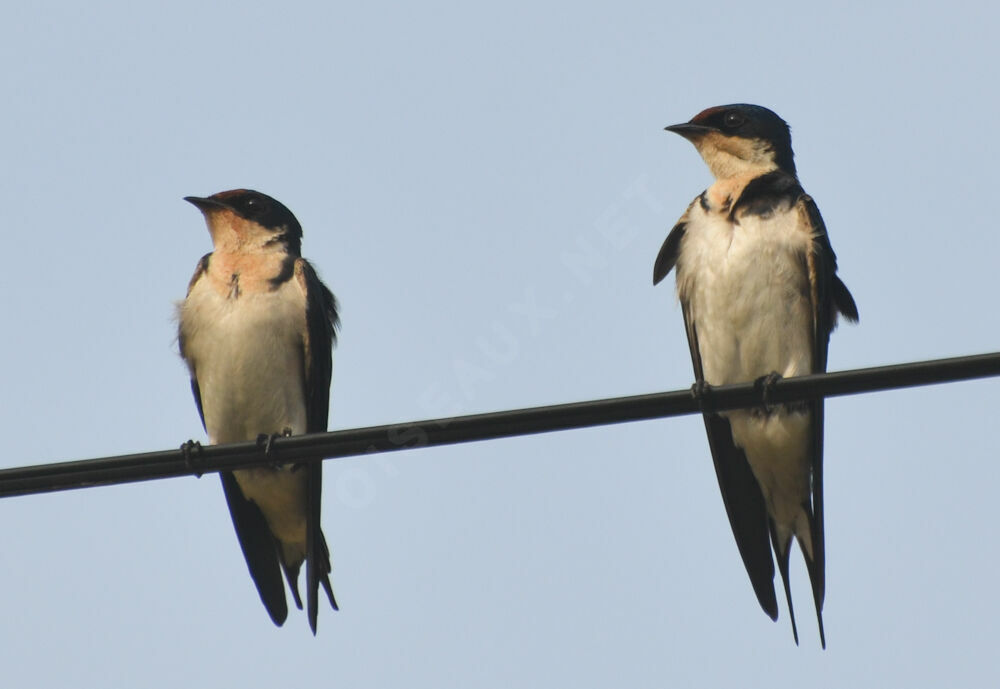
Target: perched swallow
(756, 278)
(257, 331)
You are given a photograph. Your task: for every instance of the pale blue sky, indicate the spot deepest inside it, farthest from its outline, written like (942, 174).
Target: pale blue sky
(450, 165)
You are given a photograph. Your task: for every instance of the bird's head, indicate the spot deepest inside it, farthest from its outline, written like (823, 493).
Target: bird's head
(739, 139)
(243, 220)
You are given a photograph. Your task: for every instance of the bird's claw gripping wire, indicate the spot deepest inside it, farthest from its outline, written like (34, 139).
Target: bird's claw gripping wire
(702, 392)
(266, 442)
(192, 457)
(766, 386)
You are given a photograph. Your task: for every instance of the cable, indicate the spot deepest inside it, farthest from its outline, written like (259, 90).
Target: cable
(105, 471)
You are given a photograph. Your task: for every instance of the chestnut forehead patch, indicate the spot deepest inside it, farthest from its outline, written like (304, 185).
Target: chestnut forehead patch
(229, 195)
(707, 114)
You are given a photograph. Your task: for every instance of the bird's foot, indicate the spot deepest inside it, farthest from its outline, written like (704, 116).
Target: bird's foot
(266, 442)
(192, 457)
(766, 386)
(702, 392)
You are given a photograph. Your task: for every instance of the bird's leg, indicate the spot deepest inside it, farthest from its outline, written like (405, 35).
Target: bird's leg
(266, 442)
(702, 392)
(766, 385)
(192, 457)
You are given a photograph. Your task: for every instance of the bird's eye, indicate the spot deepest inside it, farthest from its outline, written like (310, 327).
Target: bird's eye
(255, 205)
(733, 119)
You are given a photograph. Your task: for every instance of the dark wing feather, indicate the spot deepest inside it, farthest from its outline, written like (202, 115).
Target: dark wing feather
(741, 494)
(782, 551)
(258, 548)
(667, 258)
(196, 391)
(831, 296)
(322, 319)
(843, 300)
(200, 270)
(671, 249)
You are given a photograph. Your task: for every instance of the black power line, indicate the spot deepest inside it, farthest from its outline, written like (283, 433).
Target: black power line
(459, 429)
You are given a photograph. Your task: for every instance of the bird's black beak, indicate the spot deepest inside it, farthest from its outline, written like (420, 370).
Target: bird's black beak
(204, 204)
(691, 132)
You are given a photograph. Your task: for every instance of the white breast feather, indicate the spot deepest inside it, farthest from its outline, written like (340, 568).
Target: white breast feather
(247, 356)
(747, 293)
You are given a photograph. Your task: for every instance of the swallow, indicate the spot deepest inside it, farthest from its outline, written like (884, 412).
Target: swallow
(257, 331)
(756, 279)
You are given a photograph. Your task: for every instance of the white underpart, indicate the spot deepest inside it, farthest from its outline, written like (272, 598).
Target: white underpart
(246, 353)
(748, 296)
